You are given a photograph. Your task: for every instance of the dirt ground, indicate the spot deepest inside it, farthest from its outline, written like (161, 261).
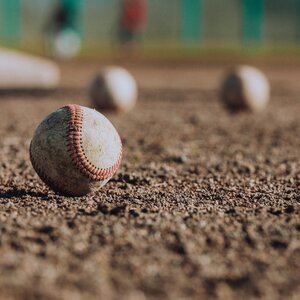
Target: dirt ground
(204, 206)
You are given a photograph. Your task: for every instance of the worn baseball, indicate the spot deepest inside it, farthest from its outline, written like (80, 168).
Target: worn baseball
(245, 88)
(75, 150)
(114, 88)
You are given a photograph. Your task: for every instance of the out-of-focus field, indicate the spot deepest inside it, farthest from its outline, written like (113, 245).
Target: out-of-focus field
(204, 206)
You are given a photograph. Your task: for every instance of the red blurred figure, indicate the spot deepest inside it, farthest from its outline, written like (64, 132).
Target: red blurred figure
(132, 24)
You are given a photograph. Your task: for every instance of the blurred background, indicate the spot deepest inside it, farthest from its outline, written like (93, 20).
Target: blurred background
(168, 28)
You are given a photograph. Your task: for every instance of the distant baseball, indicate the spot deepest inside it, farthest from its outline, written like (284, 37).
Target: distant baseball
(114, 88)
(66, 44)
(75, 150)
(245, 88)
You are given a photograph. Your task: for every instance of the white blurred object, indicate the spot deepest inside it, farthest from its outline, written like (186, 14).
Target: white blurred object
(246, 87)
(23, 71)
(66, 44)
(113, 88)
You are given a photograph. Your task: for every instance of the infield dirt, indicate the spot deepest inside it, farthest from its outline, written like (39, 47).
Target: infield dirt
(204, 206)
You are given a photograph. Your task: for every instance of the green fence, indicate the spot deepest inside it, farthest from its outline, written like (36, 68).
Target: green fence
(10, 21)
(181, 22)
(191, 20)
(252, 12)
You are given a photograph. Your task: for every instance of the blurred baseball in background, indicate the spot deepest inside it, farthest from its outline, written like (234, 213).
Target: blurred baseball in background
(245, 88)
(66, 44)
(114, 88)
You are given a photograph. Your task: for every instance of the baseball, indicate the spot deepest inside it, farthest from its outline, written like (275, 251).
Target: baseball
(113, 88)
(245, 88)
(66, 44)
(75, 150)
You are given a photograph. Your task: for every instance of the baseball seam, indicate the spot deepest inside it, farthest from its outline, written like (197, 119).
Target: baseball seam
(76, 150)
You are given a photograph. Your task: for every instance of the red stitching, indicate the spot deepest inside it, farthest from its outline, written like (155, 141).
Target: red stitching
(76, 151)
